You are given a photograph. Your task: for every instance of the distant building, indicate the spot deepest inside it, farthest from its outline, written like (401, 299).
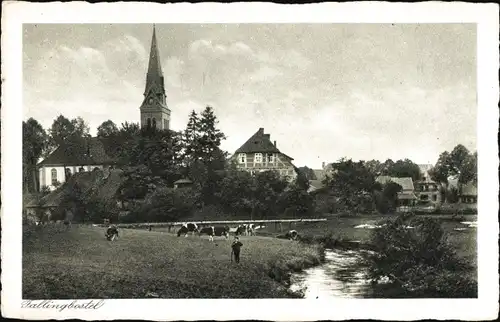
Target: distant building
(468, 195)
(259, 154)
(82, 155)
(154, 110)
(406, 197)
(427, 190)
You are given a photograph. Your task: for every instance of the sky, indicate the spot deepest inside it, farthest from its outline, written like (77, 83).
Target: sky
(322, 91)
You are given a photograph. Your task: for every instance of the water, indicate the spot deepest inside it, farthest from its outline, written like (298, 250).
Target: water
(340, 277)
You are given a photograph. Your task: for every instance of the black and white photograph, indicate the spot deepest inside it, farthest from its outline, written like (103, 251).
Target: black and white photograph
(310, 161)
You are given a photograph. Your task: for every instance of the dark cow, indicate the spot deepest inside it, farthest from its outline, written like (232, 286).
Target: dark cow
(245, 229)
(292, 235)
(186, 228)
(111, 233)
(215, 231)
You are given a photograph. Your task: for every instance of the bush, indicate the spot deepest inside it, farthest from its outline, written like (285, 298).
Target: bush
(163, 205)
(412, 252)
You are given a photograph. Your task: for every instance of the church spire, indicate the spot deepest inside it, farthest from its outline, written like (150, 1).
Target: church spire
(155, 74)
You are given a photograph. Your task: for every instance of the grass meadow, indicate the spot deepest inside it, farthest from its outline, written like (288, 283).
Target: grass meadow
(80, 263)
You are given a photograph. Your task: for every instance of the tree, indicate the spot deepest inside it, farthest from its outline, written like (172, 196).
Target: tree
(35, 142)
(468, 172)
(404, 168)
(64, 130)
(307, 172)
(107, 128)
(459, 163)
(458, 159)
(387, 199)
(417, 262)
(210, 138)
(375, 167)
(352, 185)
(191, 139)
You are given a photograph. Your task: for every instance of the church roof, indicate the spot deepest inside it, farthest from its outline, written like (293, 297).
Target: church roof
(259, 143)
(83, 151)
(88, 182)
(155, 74)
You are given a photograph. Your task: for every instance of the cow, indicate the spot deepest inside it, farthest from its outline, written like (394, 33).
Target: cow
(111, 233)
(214, 231)
(186, 228)
(292, 235)
(245, 229)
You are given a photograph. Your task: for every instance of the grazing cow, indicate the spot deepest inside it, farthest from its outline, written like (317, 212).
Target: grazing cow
(111, 233)
(215, 231)
(292, 235)
(186, 228)
(245, 229)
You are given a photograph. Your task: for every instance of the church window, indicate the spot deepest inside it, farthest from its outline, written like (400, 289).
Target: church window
(154, 123)
(242, 158)
(149, 123)
(53, 174)
(165, 124)
(258, 158)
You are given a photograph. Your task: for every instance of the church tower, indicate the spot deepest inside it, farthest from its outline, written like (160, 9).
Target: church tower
(154, 110)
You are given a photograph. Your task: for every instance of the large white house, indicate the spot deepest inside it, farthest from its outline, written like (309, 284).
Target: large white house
(86, 154)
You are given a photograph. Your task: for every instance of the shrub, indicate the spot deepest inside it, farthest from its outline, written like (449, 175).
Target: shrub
(412, 252)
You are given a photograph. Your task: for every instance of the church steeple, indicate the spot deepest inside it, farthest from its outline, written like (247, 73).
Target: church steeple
(154, 110)
(155, 74)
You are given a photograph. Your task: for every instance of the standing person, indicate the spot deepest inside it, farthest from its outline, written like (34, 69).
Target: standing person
(236, 245)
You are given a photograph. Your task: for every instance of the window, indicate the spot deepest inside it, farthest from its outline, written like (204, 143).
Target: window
(165, 125)
(154, 123)
(149, 123)
(242, 158)
(258, 158)
(81, 169)
(53, 174)
(270, 157)
(434, 197)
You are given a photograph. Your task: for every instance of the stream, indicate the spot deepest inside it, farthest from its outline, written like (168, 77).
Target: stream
(338, 277)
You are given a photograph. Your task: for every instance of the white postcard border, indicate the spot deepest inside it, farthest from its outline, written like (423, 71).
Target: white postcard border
(486, 17)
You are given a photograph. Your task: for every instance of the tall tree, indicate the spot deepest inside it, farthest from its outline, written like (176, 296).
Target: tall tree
(404, 168)
(191, 139)
(352, 185)
(459, 156)
(107, 128)
(468, 172)
(64, 130)
(210, 136)
(35, 142)
(375, 167)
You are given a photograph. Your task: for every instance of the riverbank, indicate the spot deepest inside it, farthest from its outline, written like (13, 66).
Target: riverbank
(80, 263)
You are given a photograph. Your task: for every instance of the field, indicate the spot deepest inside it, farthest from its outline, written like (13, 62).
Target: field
(80, 263)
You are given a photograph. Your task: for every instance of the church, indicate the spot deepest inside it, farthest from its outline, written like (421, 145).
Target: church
(89, 154)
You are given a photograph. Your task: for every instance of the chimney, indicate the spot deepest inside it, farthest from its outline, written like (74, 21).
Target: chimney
(323, 165)
(275, 144)
(261, 131)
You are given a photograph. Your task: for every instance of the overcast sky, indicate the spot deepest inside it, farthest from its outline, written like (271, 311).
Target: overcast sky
(363, 91)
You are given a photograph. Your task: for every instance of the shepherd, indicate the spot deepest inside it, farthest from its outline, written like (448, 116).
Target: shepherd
(111, 233)
(235, 246)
